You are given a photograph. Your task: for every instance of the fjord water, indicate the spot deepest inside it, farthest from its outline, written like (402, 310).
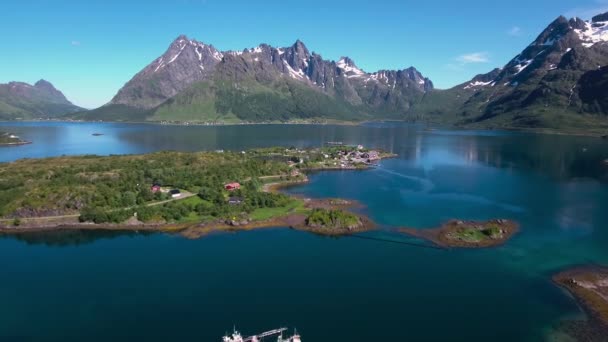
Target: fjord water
(122, 287)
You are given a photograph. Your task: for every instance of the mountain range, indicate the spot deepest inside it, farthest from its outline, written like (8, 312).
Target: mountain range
(193, 81)
(20, 100)
(559, 81)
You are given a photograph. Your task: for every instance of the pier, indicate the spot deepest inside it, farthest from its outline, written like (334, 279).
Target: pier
(256, 338)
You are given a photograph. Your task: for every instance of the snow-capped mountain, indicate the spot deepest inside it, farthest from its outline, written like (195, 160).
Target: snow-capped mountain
(546, 79)
(188, 62)
(185, 62)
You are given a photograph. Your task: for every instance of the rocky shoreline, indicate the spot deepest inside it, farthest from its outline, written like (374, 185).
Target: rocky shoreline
(467, 234)
(589, 286)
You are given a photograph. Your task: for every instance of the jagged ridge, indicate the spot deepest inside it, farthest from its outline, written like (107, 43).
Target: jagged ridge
(201, 83)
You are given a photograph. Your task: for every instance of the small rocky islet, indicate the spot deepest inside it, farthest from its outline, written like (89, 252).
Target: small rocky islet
(10, 139)
(467, 234)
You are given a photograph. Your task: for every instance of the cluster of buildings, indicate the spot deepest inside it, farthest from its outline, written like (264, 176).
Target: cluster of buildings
(174, 193)
(343, 157)
(234, 200)
(350, 158)
(359, 156)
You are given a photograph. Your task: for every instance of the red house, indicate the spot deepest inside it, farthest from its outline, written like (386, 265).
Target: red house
(232, 186)
(155, 188)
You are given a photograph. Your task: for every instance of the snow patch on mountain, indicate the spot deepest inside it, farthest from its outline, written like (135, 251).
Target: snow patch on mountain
(349, 69)
(379, 76)
(522, 66)
(178, 53)
(293, 73)
(477, 84)
(593, 33)
(550, 42)
(161, 63)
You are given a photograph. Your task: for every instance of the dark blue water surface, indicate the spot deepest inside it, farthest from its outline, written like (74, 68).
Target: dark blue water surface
(87, 286)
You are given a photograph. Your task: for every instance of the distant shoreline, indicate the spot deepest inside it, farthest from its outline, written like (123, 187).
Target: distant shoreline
(547, 131)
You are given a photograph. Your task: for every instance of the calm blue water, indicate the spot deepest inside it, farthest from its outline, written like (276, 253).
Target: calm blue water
(122, 287)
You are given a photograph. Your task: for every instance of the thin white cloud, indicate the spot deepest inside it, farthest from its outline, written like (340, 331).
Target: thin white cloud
(75, 43)
(474, 57)
(587, 12)
(514, 31)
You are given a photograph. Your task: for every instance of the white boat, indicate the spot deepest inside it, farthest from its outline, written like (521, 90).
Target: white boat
(237, 337)
(294, 338)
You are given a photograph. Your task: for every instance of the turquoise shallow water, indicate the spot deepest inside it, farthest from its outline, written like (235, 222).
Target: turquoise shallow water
(96, 287)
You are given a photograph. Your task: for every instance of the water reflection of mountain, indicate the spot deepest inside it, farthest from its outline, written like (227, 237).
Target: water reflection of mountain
(559, 157)
(64, 238)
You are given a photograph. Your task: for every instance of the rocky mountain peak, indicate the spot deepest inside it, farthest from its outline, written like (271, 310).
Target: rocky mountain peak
(600, 17)
(42, 83)
(48, 90)
(181, 38)
(349, 67)
(185, 62)
(297, 59)
(555, 31)
(346, 61)
(300, 48)
(577, 23)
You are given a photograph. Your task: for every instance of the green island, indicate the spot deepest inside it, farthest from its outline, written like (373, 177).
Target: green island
(335, 222)
(9, 139)
(467, 234)
(190, 193)
(589, 285)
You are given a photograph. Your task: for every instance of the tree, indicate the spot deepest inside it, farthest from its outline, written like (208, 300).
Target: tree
(128, 199)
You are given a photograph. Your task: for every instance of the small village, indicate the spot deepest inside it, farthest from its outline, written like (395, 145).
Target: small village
(334, 156)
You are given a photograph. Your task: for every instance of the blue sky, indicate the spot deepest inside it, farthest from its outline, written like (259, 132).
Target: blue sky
(89, 49)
